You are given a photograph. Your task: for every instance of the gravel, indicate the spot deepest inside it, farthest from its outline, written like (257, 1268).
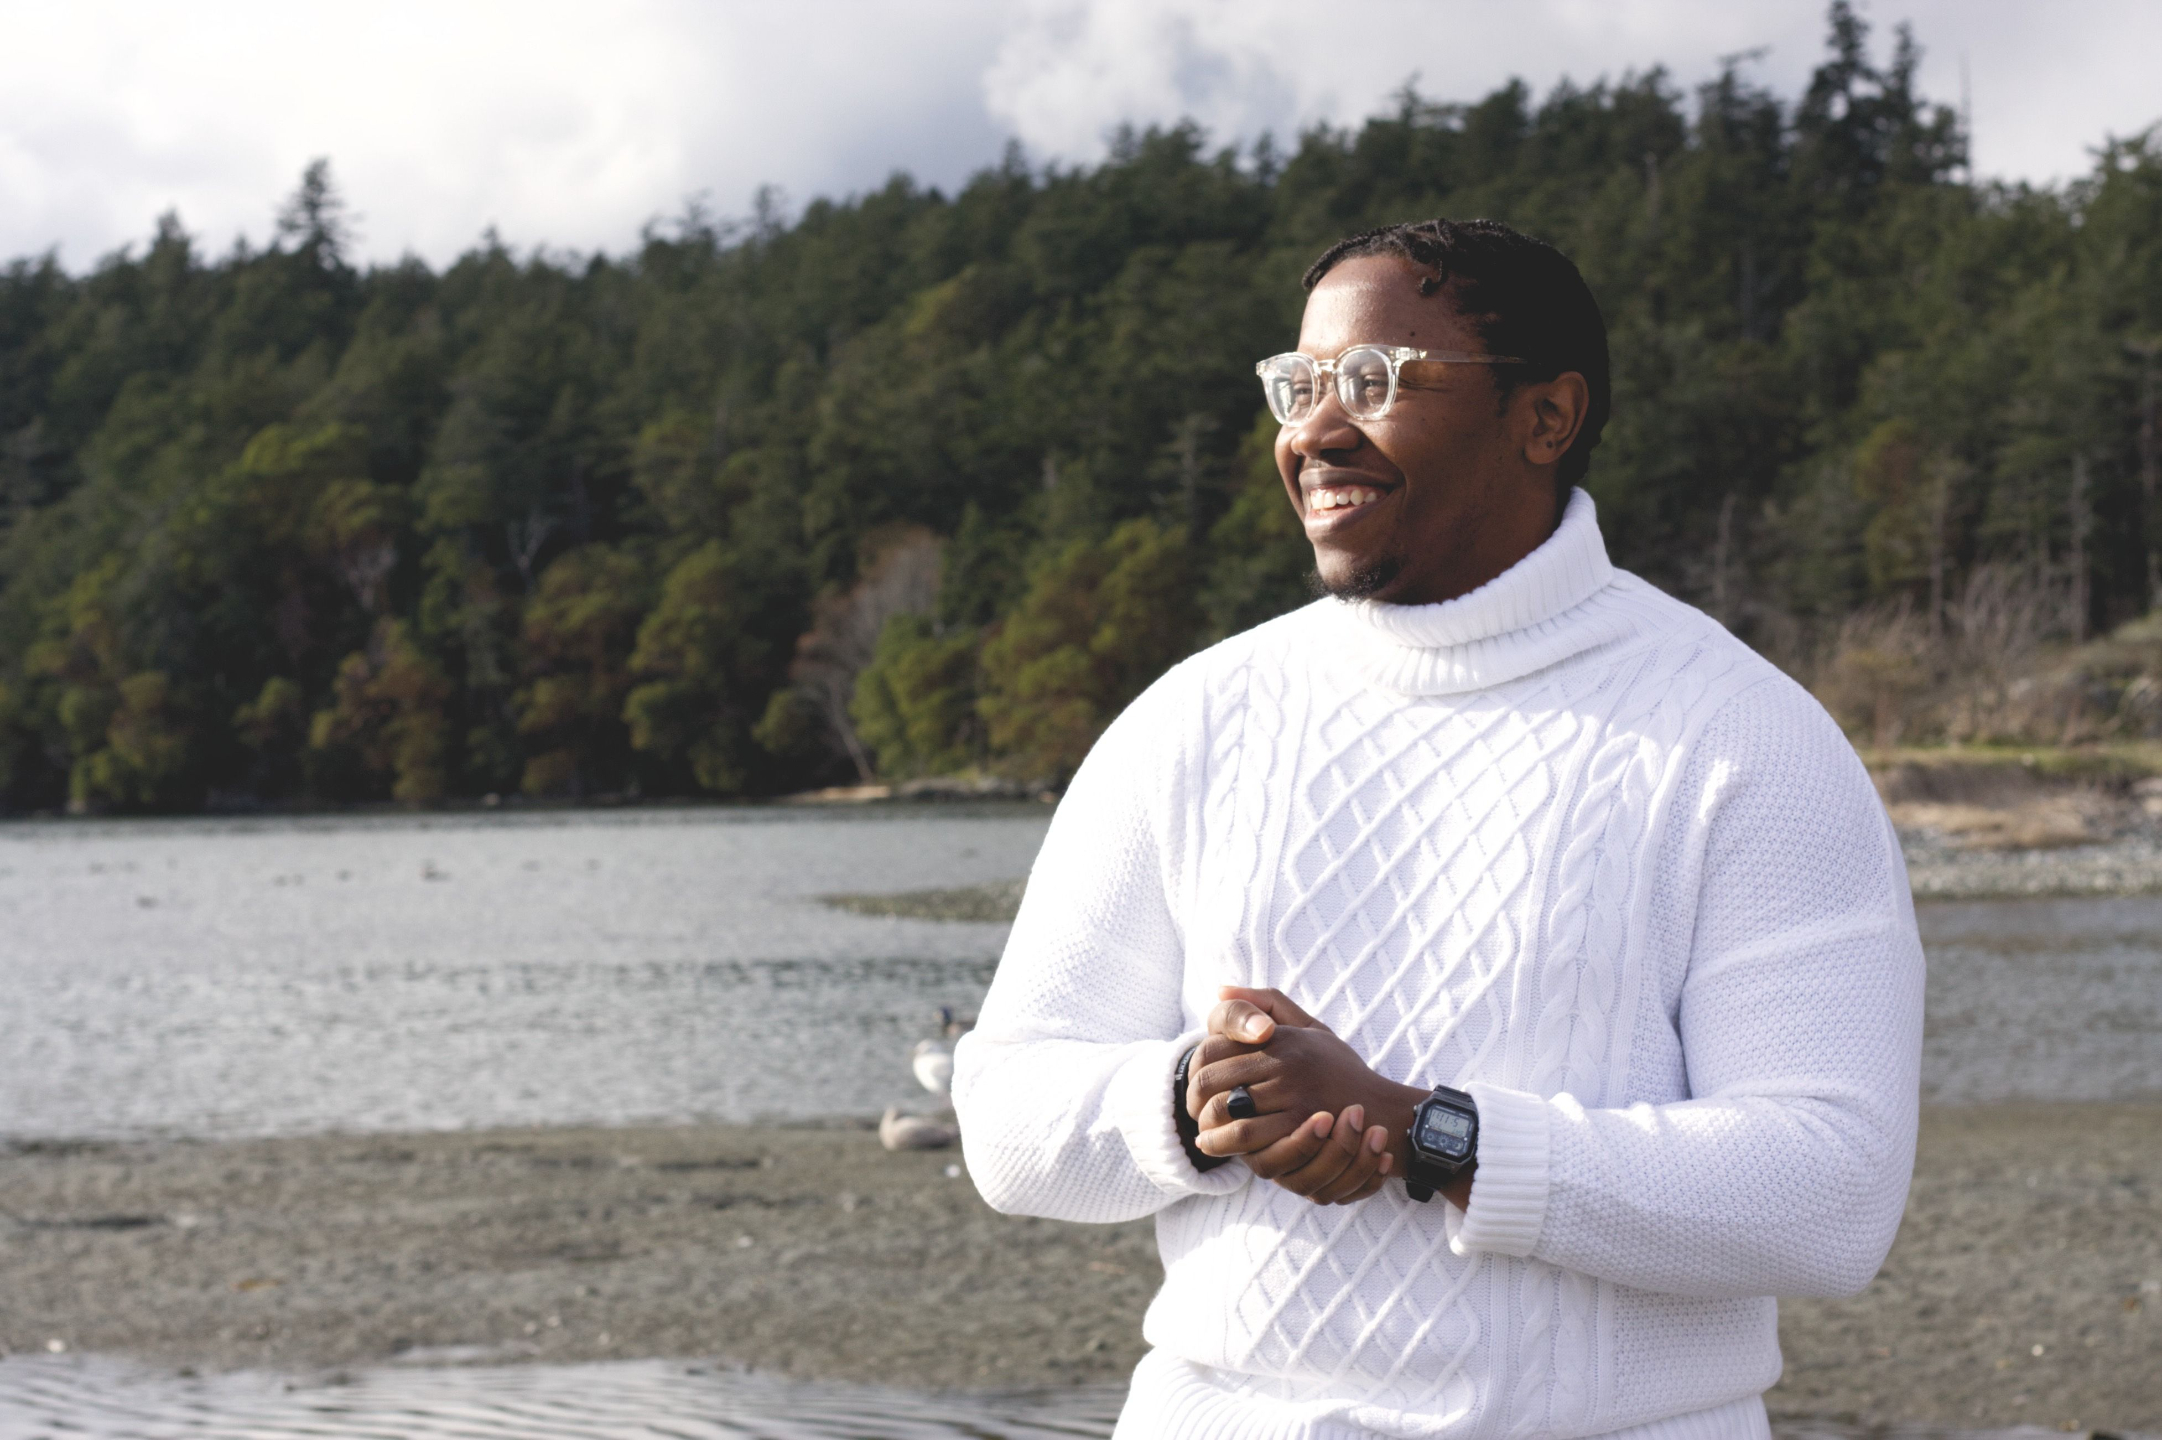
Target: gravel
(812, 1252)
(2130, 865)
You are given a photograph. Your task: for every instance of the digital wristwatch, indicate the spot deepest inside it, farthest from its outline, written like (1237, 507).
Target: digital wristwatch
(1444, 1141)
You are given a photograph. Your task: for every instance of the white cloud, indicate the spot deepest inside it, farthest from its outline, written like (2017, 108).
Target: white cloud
(561, 123)
(2048, 82)
(572, 125)
(1068, 73)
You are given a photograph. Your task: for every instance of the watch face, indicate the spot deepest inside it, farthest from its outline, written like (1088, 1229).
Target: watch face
(1445, 1132)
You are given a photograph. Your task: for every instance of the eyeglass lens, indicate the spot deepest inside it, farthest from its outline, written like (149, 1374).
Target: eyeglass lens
(1363, 384)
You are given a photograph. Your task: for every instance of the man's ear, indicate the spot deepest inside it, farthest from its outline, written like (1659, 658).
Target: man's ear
(1557, 409)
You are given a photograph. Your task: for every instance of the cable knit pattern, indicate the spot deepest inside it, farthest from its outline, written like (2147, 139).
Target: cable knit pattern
(1562, 842)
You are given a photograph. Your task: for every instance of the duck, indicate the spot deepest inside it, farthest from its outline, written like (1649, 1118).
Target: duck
(932, 1062)
(897, 1131)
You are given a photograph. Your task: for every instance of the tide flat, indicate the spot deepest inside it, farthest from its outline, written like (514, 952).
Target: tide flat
(812, 1253)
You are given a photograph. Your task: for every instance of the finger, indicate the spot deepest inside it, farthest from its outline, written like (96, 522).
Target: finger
(1294, 1148)
(1249, 1068)
(1246, 1137)
(1212, 1051)
(1322, 1178)
(1241, 1020)
(1326, 1164)
(1214, 1048)
(1382, 1172)
(1278, 1006)
(1363, 1175)
(1271, 1097)
(1348, 1161)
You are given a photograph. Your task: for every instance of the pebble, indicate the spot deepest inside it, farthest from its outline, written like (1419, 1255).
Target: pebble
(2128, 866)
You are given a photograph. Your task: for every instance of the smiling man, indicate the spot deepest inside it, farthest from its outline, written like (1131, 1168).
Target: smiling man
(1498, 981)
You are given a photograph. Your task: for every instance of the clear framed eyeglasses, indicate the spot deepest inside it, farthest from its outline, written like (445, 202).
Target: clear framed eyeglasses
(1365, 378)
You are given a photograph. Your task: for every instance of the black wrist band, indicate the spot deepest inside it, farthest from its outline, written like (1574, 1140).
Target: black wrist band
(1189, 1128)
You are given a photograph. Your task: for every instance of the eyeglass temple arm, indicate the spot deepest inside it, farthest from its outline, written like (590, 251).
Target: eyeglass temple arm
(1443, 357)
(1459, 357)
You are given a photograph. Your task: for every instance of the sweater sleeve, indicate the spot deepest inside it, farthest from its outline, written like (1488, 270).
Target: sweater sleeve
(1063, 1089)
(1800, 1020)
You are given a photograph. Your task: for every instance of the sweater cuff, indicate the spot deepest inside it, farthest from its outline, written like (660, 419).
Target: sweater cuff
(1509, 1189)
(1138, 1102)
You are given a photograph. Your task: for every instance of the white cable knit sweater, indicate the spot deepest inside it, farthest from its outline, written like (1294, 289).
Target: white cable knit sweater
(1562, 842)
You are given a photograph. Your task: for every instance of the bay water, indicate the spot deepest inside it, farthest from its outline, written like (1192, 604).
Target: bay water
(213, 978)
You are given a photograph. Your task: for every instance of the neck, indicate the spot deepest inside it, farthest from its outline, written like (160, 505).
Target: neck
(1495, 545)
(1532, 614)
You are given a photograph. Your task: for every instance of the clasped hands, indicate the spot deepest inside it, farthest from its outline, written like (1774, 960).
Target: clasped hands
(1327, 1126)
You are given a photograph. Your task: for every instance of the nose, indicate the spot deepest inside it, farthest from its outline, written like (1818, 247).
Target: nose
(1328, 430)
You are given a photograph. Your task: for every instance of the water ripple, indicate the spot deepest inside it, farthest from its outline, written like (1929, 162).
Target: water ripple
(98, 1398)
(92, 1396)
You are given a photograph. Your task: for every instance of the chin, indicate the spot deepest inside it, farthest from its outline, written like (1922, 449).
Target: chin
(1363, 579)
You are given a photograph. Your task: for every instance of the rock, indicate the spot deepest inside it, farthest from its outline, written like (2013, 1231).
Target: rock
(965, 787)
(841, 795)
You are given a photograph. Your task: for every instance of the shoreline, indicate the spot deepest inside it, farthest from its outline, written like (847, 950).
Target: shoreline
(2112, 852)
(815, 1254)
(2126, 866)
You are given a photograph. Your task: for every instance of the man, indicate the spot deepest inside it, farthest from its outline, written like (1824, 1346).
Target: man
(1574, 1004)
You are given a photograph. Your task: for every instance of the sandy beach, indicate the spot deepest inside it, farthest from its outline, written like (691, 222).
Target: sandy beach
(811, 1252)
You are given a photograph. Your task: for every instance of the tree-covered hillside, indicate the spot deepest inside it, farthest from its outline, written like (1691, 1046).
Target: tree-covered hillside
(916, 483)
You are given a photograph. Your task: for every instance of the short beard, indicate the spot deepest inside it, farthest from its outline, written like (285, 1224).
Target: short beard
(1363, 583)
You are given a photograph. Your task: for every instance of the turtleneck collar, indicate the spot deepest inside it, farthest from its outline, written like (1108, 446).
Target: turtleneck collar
(1538, 612)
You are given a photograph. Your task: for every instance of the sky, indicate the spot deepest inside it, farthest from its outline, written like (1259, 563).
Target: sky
(574, 125)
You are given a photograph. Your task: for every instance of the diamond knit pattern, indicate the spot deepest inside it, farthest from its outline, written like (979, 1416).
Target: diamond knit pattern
(1400, 901)
(1566, 845)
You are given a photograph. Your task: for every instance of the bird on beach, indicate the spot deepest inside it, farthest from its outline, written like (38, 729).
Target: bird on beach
(932, 1061)
(897, 1131)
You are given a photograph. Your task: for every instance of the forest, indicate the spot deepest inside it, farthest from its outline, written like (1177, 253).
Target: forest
(919, 484)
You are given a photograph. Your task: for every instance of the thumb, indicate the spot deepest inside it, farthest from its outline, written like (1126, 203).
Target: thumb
(1278, 1006)
(1242, 1020)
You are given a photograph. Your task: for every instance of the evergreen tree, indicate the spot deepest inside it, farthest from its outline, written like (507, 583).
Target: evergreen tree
(278, 527)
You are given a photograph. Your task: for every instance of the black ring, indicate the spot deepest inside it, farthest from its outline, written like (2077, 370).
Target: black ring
(1239, 1104)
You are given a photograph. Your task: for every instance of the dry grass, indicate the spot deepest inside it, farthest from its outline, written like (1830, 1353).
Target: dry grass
(2041, 799)
(2049, 824)
(1997, 667)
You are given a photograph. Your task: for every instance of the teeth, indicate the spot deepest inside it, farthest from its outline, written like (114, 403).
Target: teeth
(1342, 498)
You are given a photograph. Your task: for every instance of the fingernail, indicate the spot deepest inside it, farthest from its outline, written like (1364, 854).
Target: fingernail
(1355, 1117)
(1323, 1124)
(1377, 1139)
(1388, 1163)
(1251, 1030)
